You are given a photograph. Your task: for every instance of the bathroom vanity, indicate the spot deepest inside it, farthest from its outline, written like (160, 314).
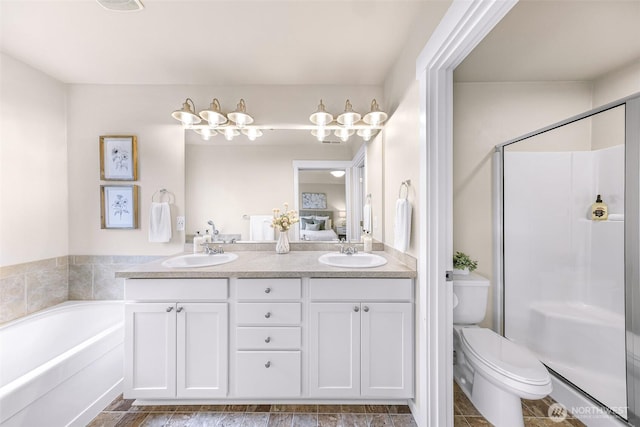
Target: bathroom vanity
(269, 328)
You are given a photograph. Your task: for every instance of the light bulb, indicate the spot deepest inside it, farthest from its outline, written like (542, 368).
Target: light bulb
(229, 134)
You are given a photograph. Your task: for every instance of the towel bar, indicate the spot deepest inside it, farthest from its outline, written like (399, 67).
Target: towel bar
(163, 192)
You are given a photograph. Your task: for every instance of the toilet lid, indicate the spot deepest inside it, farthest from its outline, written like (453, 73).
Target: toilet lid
(506, 357)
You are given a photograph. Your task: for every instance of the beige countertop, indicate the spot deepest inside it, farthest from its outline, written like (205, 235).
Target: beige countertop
(269, 264)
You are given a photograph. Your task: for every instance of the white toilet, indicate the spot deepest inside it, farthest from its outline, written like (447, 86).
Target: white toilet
(493, 372)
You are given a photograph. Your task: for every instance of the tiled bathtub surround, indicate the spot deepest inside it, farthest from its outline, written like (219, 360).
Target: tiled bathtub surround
(92, 277)
(32, 286)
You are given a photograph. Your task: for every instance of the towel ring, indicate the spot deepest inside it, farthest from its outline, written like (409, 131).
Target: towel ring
(163, 192)
(405, 185)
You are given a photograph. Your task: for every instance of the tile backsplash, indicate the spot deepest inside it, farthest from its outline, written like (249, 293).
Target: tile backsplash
(32, 286)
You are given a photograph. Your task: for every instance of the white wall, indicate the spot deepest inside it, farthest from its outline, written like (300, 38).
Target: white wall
(486, 114)
(96, 110)
(34, 221)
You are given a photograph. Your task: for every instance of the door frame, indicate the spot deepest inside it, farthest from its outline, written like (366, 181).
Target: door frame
(464, 25)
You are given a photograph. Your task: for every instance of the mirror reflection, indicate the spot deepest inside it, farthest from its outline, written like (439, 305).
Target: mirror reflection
(234, 187)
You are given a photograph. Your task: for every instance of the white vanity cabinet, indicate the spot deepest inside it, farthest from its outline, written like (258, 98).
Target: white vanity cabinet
(268, 338)
(176, 347)
(361, 338)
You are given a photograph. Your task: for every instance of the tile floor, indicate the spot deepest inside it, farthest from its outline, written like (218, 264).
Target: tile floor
(121, 413)
(534, 412)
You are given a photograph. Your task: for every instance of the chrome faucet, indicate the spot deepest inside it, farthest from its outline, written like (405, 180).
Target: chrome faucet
(347, 250)
(214, 231)
(212, 251)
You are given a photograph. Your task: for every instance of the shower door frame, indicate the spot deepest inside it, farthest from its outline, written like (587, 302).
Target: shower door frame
(631, 239)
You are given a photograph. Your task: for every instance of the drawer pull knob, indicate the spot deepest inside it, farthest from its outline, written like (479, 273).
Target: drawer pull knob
(267, 365)
(356, 309)
(366, 309)
(268, 315)
(169, 309)
(268, 290)
(267, 340)
(180, 309)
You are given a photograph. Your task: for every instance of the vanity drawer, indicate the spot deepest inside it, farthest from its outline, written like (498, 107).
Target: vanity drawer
(268, 374)
(268, 289)
(361, 289)
(268, 338)
(269, 313)
(175, 289)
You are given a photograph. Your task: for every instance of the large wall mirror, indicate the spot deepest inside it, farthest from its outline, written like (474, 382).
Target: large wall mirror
(236, 185)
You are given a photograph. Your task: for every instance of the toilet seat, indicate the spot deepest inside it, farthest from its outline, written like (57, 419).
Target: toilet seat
(504, 357)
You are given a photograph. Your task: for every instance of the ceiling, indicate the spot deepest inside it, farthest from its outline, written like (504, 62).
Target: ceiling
(560, 40)
(214, 42)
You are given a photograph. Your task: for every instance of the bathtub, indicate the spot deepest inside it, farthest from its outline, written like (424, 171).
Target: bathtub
(61, 366)
(586, 345)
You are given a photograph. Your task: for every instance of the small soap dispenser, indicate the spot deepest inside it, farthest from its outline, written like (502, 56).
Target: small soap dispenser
(207, 236)
(599, 210)
(367, 241)
(198, 240)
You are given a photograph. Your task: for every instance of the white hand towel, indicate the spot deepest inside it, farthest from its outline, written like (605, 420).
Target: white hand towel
(160, 222)
(260, 228)
(402, 229)
(366, 218)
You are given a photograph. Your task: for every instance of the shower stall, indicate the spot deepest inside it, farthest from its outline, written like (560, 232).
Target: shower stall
(568, 286)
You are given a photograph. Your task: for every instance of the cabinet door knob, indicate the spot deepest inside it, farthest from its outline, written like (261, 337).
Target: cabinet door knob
(169, 309)
(267, 365)
(267, 340)
(267, 290)
(356, 308)
(268, 315)
(366, 309)
(180, 309)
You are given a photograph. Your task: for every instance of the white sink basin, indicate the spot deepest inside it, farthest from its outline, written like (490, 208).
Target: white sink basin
(360, 260)
(198, 260)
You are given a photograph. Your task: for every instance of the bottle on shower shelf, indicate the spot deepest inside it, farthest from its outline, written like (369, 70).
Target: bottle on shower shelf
(599, 210)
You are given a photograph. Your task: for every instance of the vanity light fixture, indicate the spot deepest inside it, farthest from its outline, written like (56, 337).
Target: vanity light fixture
(348, 117)
(338, 173)
(376, 116)
(348, 122)
(187, 115)
(321, 117)
(214, 114)
(215, 121)
(240, 116)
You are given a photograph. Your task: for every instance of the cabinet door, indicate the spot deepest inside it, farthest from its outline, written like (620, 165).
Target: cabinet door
(387, 350)
(334, 349)
(202, 350)
(150, 350)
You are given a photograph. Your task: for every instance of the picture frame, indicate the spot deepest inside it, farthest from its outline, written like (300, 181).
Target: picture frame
(314, 201)
(118, 206)
(119, 158)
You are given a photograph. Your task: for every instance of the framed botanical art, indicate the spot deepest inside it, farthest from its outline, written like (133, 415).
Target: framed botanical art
(119, 206)
(118, 158)
(314, 201)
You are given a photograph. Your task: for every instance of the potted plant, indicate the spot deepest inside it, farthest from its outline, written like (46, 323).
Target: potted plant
(463, 264)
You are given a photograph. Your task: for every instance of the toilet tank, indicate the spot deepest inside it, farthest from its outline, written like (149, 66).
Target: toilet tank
(471, 293)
